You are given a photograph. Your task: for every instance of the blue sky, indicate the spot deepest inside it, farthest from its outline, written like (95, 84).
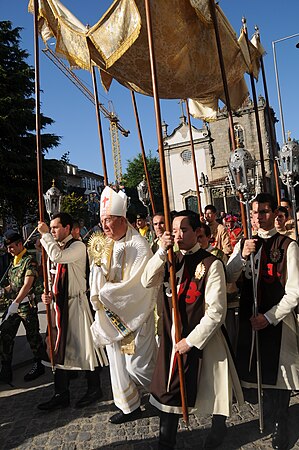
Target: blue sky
(75, 117)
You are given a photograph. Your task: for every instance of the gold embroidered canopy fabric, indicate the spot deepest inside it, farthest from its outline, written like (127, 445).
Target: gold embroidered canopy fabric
(184, 41)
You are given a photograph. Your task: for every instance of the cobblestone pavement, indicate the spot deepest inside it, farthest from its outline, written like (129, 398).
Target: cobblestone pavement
(23, 426)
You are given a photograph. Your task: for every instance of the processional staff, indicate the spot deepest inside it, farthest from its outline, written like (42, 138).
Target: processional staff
(227, 98)
(256, 112)
(39, 175)
(242, 168)
(193, 159)
(148, 181)
(271, 126)
(166, 208)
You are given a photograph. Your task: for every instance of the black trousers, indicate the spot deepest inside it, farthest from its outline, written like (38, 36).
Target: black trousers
(62, 380)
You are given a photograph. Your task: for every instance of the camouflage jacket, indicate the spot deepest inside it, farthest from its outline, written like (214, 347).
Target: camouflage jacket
(27, 266)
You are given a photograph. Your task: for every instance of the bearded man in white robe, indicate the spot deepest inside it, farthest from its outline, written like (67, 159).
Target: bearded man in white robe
(124, 320)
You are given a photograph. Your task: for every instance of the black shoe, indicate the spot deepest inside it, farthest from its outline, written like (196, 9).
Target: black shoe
(280, 436)
(217, 432)
(6, 373)
(57, 401)
(120, 417)
(37, 370)
(89, 398)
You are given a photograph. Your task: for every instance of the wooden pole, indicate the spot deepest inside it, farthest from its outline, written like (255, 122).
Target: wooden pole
(148, 181)
(272, 136)
(40, 176)
(256, 113)
(176, 315)
(227, 101)
(99, 123)
(193, 159)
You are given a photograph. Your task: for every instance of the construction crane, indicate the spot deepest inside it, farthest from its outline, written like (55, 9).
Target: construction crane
(114, 126)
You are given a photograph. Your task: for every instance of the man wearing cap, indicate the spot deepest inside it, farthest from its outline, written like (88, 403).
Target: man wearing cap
(19, 289)
(124, 320)
(73, 344)
(143, 227)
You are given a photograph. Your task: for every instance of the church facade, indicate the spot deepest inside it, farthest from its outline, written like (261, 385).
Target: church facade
(212, 146)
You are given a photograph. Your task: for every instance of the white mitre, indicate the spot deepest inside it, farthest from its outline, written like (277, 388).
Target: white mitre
(113, 203)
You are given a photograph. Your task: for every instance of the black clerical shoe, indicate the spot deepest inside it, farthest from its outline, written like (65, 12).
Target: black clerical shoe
(57, 401)
(217, 432)
(89, 398)
(36, 371)
(120, 417)
(6, 372)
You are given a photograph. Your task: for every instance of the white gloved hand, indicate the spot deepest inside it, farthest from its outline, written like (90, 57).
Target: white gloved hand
(13, 309)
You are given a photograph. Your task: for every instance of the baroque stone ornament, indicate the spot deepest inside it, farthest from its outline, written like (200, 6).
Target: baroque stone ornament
(200, 271)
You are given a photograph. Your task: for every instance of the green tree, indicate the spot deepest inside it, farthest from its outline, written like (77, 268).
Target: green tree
(134, 175)
(75, 205)
(18, 181)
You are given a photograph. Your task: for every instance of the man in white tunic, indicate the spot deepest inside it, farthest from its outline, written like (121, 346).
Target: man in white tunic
(277, 275)
(124, 320)
(73, 346)
(210, 374)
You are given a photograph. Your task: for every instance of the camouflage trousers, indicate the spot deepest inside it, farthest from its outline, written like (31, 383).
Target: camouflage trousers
(27, 314)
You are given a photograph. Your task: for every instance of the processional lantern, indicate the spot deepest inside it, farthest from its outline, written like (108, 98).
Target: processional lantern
(288, 164)
(53, 198)
(242, 173)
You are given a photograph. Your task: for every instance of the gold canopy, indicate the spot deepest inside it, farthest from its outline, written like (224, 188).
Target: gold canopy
(185, 48)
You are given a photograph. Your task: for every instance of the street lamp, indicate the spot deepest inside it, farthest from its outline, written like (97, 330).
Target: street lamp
(278, 84)
(288, 163)
(143, 195)
(93, 205)
(53, 198)
(242, 174)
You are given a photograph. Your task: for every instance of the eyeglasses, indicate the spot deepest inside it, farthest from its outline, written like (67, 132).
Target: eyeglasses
(262, 212)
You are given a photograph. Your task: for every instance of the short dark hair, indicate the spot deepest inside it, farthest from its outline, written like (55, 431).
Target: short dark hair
(283, 210)
(284, 199)
(265, 197)
(206, 229)
(211, 207)
(159, 213)
(65, 219)
(193, 217)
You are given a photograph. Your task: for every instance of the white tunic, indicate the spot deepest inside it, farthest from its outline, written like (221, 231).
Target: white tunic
(124, 307)
(288, 371)
(80, 352)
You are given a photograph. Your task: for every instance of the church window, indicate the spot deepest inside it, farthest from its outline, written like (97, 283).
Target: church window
(186, 156)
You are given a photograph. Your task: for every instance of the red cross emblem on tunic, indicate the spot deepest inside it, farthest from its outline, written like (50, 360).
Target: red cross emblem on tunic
(105, 199)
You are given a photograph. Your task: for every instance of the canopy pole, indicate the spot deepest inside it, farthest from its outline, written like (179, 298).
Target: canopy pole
(193, 159)
(148, 181)
(227, 101)
(40, 176)
(272, 137)
(176, 318)
(256, 113)
(99, 123)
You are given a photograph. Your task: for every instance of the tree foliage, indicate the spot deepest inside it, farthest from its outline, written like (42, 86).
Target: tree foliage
(75, 205)
(18, 181)
(134, 175)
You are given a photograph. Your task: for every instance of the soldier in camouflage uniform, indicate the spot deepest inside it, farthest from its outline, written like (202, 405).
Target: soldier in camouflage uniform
(19, 290)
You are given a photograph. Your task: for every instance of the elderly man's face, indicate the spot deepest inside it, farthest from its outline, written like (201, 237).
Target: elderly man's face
(114, 227)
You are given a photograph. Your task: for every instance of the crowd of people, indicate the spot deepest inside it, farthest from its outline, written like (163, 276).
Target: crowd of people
(111, 304)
